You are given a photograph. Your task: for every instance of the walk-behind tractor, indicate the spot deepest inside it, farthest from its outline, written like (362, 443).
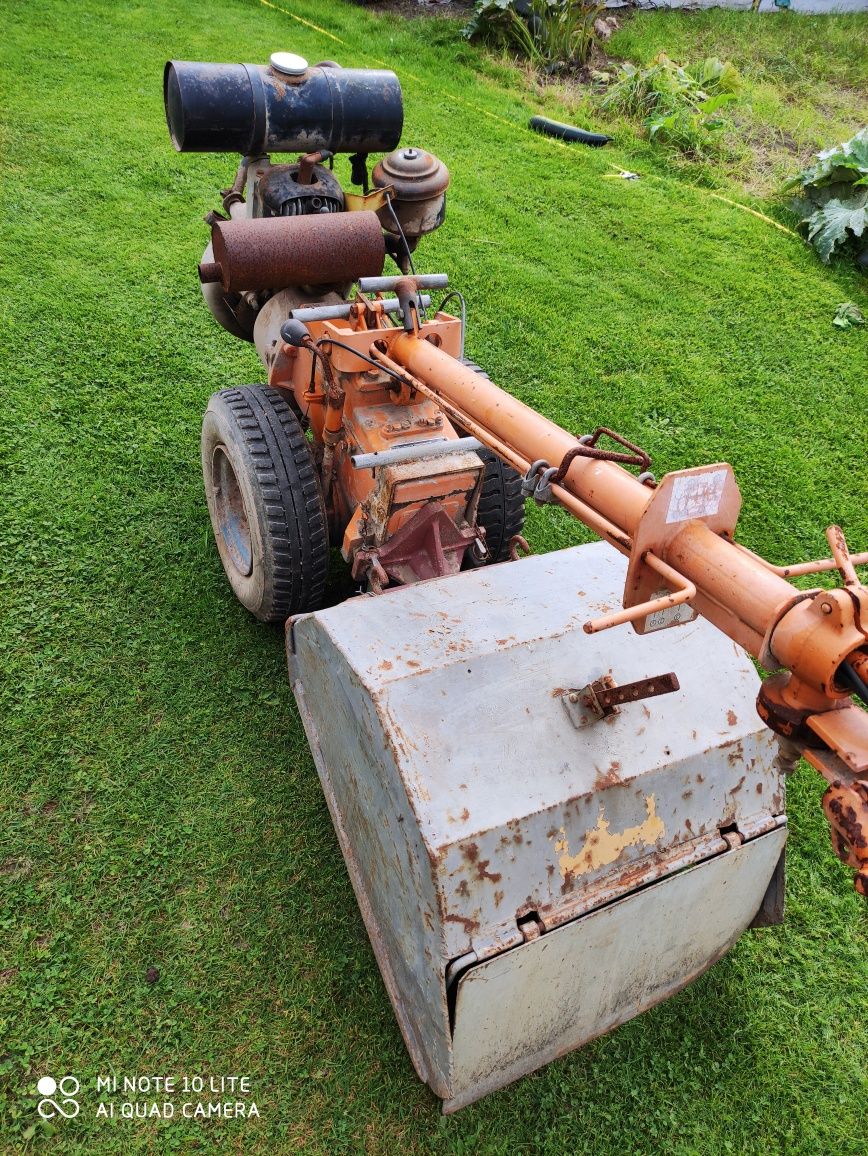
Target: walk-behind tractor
(552, 819)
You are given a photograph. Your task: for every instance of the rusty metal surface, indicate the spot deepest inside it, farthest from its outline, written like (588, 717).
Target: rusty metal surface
(399, 491)
(419, 182)
(472, 801)
(588, 704)
(385, 857)
(274, 252)
(537, 1002)
(428, 545)
(846, 807)
(588, 448)
(297, 189)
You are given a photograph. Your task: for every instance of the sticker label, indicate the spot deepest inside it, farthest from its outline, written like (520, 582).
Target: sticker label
(696, 496)
(669, 615)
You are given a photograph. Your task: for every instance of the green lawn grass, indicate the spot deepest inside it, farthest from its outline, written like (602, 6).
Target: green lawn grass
(160, 809)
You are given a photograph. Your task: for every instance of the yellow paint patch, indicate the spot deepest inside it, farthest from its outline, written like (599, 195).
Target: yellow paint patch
(603, 846)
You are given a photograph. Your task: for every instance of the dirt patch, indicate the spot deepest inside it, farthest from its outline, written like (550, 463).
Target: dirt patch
(416, 8)
(774, 156)
(598, 62)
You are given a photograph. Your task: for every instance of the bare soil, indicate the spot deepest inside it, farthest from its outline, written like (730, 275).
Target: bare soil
(416, 8)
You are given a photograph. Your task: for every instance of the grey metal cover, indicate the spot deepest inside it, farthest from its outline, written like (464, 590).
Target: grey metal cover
(465, 800)
(528, 1006)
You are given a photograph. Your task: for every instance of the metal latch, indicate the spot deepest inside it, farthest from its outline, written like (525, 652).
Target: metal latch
(530, 926)
(603, 697)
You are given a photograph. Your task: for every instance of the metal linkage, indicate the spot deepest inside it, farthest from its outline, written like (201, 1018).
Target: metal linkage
(588, 448)
(390, 284)
(532, 479)
(417, 452)
(538, 481)
(518, 548)
(684, 592)
(603, 697)
(345, 312)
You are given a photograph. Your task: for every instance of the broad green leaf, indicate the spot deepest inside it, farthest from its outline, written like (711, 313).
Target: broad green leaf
(830, 225)
(730, 79)
(716, 102)
(851, 156)
(813, 198)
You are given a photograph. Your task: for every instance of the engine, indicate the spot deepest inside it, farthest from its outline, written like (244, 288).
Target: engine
(318, 111)
(295, 190)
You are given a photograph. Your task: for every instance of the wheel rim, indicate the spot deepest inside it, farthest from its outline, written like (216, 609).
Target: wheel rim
(232, 522)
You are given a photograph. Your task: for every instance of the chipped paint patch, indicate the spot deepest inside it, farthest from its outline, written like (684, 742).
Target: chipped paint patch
(603, 846)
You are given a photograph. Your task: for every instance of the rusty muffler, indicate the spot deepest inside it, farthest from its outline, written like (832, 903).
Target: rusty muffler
(277, 252)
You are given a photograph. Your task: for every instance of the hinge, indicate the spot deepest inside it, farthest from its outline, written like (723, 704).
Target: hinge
(530, 926)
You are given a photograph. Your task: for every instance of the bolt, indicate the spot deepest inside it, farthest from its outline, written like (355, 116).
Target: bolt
(574, 698)
(826, 607)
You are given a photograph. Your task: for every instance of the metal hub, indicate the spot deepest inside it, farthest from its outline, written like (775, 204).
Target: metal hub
(231, 514)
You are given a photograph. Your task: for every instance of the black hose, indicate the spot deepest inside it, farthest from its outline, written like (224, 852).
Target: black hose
(568, 132)
(378, 365)
(849, 676)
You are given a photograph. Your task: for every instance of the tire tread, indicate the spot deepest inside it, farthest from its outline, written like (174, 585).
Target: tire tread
(501, 505)
(281, 459)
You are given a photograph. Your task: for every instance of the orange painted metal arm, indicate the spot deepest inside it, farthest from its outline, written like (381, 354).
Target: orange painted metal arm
(682, 532)
(684, 592)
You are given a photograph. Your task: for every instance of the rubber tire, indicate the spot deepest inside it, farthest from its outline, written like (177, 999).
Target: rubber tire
(501, 505)
(286, 528)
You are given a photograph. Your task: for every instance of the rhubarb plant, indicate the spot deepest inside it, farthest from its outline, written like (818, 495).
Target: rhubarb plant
(832, 201)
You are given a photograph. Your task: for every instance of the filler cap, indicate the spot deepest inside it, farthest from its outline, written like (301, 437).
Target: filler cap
(288, 63)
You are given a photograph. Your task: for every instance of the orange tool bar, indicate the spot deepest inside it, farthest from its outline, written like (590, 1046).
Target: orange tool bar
(808, 633)
(714, 567)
